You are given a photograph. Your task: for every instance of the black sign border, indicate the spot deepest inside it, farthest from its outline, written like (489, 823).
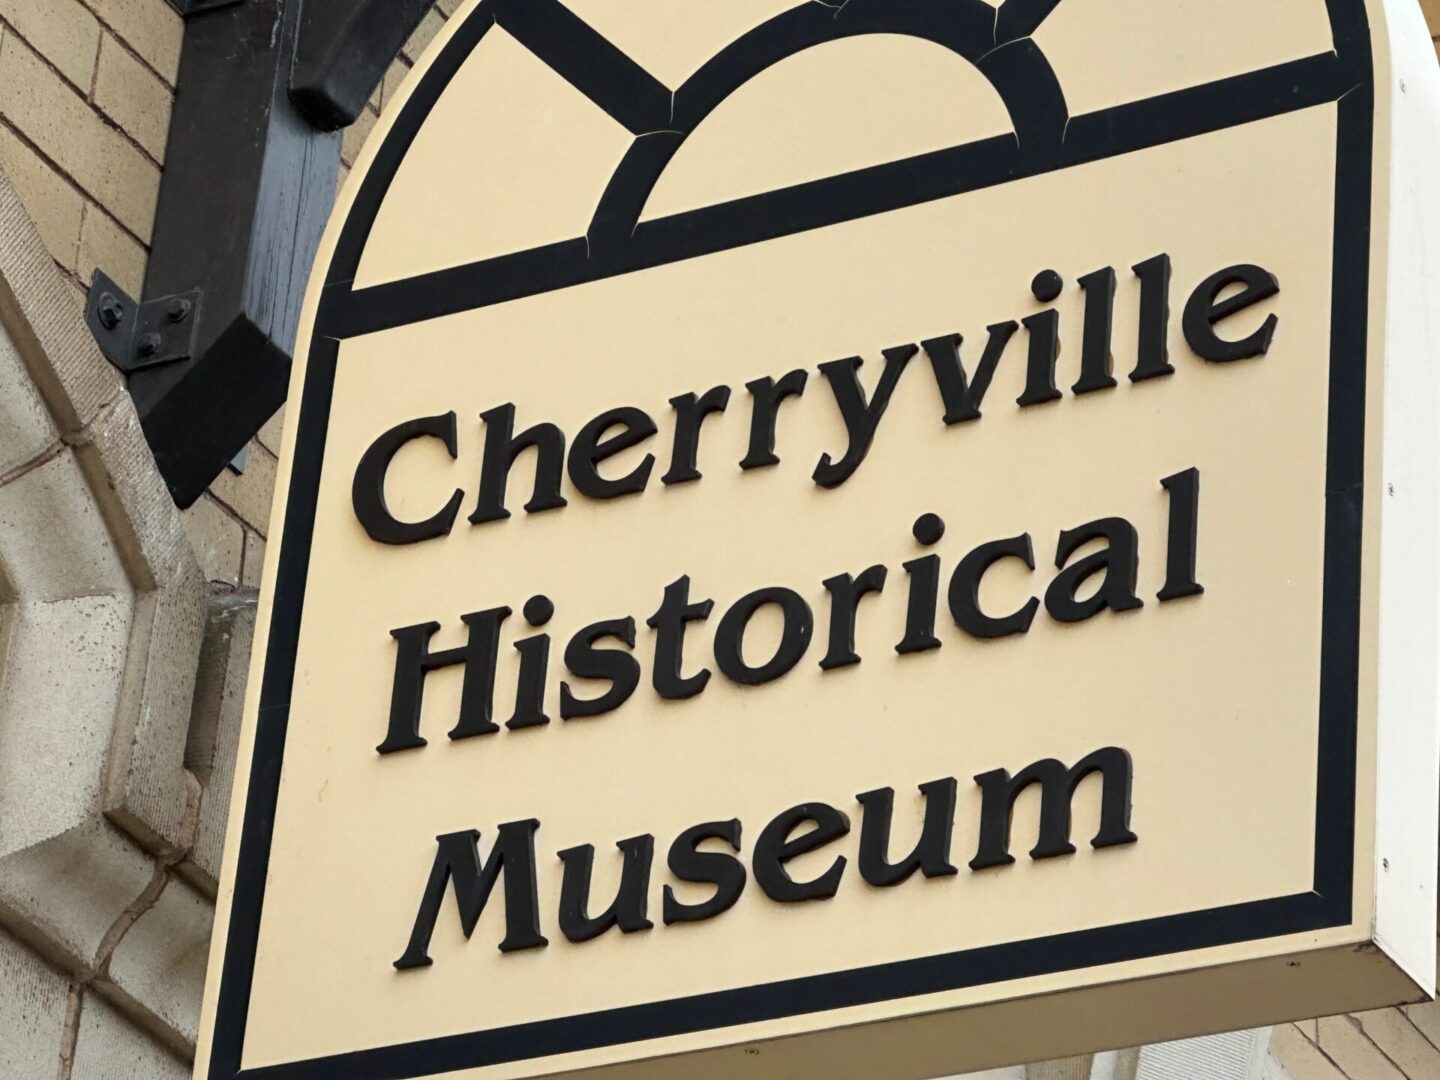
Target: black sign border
(1344, 76)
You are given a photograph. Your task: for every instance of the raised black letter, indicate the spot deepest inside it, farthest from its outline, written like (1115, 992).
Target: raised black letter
(589, 449)
(775, 848)
(861, 417)
(1058, 784)
(1044, 328)
(689, 863)
(1204, 310)
(502, 447)
(845, 595)
(668, 622)
(367, 493)
(628, 909)
(1119, 561)
(587, 662)
(965, 589)
(794, 637)
(1154, 355)
(690, 413)
(767, 395)
(1184, 491)
(458, 859)
(924, 574)
(963, 399)
(414, 660)
(1096, 359)
(534, 663)
(932, 852)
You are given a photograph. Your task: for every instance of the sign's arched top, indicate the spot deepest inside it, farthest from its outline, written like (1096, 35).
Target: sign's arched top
(531, 144)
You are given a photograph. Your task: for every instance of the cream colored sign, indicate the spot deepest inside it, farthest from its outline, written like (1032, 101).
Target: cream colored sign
(874, 539)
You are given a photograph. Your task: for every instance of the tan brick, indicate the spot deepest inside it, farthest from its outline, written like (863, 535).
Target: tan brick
(394, 76)
(133, 96)
(1401, 1042)
(355, 136)
(48, 112)
(249, 495)
(269, 436)
(153, 28)
(1427, 1018)
(218, 540)
(1345, 1044)
(62, 31)
(53, 204)
(1299, 1057)
(1310, 1029)
(447, 7)
(106, 246)
(425, 33)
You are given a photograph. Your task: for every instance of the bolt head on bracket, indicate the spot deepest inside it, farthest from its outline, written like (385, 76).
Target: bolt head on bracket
(135, 336)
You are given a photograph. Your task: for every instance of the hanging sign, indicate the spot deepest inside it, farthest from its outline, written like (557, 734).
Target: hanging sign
(858, 539)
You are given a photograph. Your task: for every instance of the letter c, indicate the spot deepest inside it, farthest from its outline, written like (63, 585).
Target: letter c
(965, 590)
(368, 492)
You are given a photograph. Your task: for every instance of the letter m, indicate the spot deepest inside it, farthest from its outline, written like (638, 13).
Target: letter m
(457, 859)
(999, 790)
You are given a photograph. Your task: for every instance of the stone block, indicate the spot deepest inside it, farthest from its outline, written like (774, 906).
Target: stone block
(33, 1002)
(1347, 1046)
(52, 201)
(69, 651)
(158, 967)
(62, 31)
(64, 895)
(218, 540)
(39, 308)
(249, 494)
(50, 113)
(215, 730)
(54, 501)
(133, 96)
(153, 28)
(147, 531)
(253, 573)
(109, 1047)
(149, 792)
(26, 431)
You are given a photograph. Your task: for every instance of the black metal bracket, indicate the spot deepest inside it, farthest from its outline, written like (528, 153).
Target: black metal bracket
(249, 180)
(136, 337)
(345, 48)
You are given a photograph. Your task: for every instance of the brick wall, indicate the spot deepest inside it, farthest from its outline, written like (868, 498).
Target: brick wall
(86, 90)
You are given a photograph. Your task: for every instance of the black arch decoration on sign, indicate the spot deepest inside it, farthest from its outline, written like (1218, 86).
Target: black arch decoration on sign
(1343, 77)
(1016, 69)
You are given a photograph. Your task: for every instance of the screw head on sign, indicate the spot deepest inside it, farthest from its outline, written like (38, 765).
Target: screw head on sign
(178, 311)
(110, 311)
(148, 345)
